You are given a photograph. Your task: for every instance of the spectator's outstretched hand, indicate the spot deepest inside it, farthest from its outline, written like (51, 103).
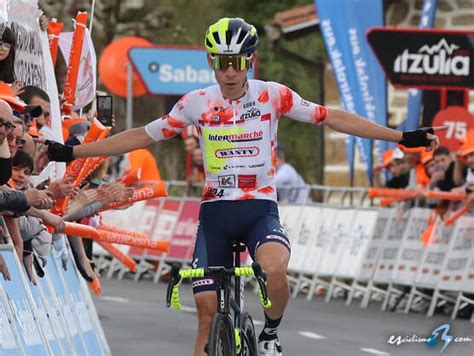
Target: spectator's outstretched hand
(40, 199)
(55, 221)
(423, 137)
(115, 192)
(17, 88)
(61, 187)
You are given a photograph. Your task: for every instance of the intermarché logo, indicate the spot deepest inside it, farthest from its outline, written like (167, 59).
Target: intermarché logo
(439, 336)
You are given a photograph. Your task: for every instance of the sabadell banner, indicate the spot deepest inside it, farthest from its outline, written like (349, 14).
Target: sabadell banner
(426, 59)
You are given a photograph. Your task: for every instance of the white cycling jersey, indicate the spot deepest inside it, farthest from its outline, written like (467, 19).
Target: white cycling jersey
(238, 137)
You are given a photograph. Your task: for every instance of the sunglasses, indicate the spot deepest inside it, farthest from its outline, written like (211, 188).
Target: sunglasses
(9, 127)
(237, 62)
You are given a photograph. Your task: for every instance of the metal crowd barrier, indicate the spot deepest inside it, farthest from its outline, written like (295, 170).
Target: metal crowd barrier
(55, 317)
(342, 245)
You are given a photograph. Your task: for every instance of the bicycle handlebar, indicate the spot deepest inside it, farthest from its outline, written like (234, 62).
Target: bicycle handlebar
(172, 293)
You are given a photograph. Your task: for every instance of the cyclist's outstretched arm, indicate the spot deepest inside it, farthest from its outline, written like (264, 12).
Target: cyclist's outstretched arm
(353, 124)
(122, 142)
(289, 103)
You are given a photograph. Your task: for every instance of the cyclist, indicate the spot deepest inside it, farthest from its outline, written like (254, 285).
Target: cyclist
(237, 123)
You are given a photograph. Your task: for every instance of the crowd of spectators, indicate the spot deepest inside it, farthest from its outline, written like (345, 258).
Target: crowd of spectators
(29, 200)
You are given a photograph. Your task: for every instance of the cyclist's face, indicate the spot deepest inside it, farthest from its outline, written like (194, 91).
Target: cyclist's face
(231, 81)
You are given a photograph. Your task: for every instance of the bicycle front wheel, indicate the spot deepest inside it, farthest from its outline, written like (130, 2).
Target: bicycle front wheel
(221, 338)
(249, 341)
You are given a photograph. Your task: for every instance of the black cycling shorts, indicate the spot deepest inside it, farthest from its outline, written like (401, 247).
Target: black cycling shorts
(252, 222)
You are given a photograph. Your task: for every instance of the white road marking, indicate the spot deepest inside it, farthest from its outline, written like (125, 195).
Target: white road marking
(110, 298)
(311, 335)
(375, 351)
(258, 322)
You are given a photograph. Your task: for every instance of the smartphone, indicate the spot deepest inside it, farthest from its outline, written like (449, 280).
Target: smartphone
(104, 109)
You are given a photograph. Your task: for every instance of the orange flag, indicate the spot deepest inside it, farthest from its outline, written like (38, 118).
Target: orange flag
(123, 258)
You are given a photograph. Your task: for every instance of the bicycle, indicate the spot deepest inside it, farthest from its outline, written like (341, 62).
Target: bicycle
(226, 338)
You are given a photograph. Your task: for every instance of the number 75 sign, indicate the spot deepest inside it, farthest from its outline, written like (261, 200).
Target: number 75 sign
(458, 121)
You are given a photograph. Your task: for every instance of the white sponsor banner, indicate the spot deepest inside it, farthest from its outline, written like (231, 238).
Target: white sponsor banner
(86, 79)
(319, 227)
(430, 270)
(290, 220)
(302, 239)
(34, 66)
(358, 239)
(412, 249)
(391, 247)
(338, 241)
(455, 268)
(374, 248)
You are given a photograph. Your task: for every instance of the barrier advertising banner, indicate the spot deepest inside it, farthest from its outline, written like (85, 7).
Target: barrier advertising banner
(360, 80)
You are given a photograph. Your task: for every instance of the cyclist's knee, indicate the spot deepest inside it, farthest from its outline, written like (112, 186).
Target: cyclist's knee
(276, 274)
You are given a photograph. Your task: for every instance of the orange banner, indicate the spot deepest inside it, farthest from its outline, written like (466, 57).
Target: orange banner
(122, 231)
(132, 177)
(112, 237)
(123, 258)
(149, 192)
(74, 62)
(404, 194)
(74, 168)
(456, 215)
(81, 230)
(54, 29)
(96, 287)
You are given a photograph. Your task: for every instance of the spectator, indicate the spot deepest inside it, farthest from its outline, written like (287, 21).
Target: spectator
(34, 234)
(290, 186)
(444, 171)
(196, 176)
(398, 167)
(15, 138)
(190, 143)
(7, 59)
(36, 96)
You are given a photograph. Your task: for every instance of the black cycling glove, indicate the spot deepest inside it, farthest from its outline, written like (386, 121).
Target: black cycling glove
(59, 152)
(417, 138)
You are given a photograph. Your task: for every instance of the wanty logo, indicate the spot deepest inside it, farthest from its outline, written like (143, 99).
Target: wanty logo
(437, 59)
(238, 152)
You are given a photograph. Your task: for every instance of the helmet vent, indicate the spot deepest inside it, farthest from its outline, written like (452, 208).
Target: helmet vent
(228, 37)
(208, 43)
(252, 41)
(241, 36)
(216, 37)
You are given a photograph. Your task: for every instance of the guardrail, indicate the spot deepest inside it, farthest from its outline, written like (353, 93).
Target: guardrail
(345, 247)
(55, 317)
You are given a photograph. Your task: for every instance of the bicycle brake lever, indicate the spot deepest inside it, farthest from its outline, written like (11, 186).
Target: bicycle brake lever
(174, 279)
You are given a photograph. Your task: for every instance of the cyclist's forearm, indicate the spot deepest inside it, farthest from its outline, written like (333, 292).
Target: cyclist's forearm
(352, 124)
(123, 142)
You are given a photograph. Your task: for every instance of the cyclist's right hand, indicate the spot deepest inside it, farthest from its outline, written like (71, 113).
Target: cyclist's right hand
(59, 152)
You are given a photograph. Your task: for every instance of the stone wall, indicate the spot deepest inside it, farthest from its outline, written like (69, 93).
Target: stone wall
(452, 14)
